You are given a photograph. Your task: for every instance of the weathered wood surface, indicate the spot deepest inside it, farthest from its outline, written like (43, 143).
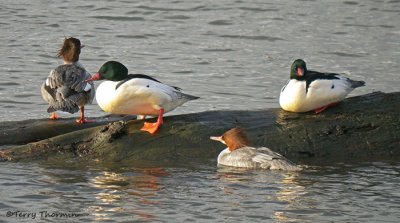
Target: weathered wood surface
(32, 130)
(366, 126)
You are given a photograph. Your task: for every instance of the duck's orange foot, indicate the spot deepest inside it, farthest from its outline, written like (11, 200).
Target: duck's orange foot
(54, 116)
(151, 127)
(83, 121)
(321, 109)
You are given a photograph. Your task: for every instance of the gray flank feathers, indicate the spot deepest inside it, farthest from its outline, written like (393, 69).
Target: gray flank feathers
(66, 89)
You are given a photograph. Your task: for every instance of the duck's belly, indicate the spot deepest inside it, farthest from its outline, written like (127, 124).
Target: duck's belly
(295, 99)
(126, 101)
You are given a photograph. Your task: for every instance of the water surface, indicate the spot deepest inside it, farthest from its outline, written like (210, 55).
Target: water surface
(361, 192)
(233, 54)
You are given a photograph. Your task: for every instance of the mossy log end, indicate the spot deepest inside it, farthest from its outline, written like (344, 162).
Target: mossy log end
(366, 126)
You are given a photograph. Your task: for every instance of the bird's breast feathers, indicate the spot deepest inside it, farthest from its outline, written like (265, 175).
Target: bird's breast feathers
(136, 96)
(296, 98)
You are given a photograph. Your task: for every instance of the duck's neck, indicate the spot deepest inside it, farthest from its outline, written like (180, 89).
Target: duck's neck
(77, 63)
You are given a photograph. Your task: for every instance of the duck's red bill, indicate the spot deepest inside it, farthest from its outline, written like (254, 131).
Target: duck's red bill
(93, 78)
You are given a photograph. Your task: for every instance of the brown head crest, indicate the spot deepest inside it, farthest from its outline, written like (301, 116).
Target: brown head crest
(70, 50)
(236, 138)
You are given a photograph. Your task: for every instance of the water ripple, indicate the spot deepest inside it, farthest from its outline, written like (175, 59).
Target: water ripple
(178, 17)
(170, 9)
(387, 26)
(221, 22)
(119, 18)
(9, 84)
(132, 36)
(24, 95)
(218, 50)
(341, 54)
(54, 25)
(268, 38)
(259, 9)
(16, 102)
(350, 3)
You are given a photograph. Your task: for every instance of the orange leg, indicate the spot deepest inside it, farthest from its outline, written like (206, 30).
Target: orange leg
(321, 109)
(82, 119)
(54, 116)
(154, 127)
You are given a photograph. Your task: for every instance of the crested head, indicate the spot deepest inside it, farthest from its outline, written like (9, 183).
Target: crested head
(113, 71)
(298, 69)
(70, 50)
(235, 138)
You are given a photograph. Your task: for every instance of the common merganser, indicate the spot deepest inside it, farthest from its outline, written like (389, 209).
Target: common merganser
(311, 90)
(240, 154)
(65, 88)
(136, 94)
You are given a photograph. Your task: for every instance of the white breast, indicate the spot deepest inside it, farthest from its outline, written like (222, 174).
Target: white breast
(320, 93)
(293, 95)
(137, 96)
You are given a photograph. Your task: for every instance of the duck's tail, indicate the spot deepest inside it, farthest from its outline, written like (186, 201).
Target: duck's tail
(189, 97)
(356, 84)
(67, 105)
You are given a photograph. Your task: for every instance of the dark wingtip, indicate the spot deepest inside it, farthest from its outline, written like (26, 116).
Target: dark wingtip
(356, 84)
(190, 97)
(194, 97)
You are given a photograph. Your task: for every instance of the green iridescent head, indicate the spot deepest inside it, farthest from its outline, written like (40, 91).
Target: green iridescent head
(298, 69)
(113, 71)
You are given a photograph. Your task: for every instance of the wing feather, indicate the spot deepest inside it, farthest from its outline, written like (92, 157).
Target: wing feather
(65, 88)
(240, 158)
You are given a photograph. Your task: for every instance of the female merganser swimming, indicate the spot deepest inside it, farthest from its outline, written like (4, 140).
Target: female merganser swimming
(136, 94)
(65, 88)
(240, 154)
(310, 90)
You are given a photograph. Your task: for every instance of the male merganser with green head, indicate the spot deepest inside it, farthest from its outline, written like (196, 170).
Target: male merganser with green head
(65, 88)
(239, 153)
(136, 94)
(311, 90)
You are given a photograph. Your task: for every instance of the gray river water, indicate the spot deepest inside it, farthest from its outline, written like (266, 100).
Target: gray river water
(232, 54)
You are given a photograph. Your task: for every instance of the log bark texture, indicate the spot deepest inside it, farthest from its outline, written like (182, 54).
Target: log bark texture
(366, 126)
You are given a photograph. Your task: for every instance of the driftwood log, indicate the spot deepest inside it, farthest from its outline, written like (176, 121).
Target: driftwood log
(362, 127)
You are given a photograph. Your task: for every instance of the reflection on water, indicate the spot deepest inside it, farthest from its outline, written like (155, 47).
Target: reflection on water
(291, 193)
(291, 190)
(140, 187)
(284, 185)
(365, 192)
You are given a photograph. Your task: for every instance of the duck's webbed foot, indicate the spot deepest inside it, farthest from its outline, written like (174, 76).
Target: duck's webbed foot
(152, 128)
(321, 109)
(54, 116)
(82, 119)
